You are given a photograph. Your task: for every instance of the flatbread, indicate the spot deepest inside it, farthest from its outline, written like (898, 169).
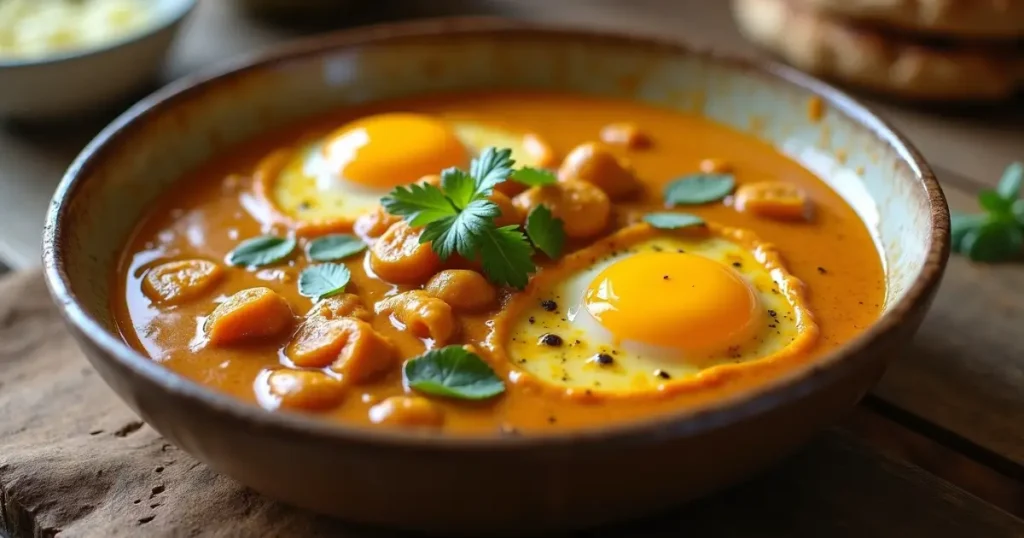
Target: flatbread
(985, 19)
(880, 62)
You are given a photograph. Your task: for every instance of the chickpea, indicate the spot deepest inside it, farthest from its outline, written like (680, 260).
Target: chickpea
(463, 290)
(182, 281)
(407, 411)
(509, 212)
(250, 314)
(306, 390)
(399, 257)
(423, 315)
(596, 165)
(583, 208)
(625, 134)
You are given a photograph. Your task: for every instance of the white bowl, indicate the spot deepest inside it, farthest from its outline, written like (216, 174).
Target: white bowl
(73, 82)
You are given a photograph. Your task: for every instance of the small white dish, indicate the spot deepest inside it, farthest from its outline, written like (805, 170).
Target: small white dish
(70, 83)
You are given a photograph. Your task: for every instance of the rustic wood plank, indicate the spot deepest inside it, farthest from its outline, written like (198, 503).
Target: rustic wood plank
(965, 369)
(75, 461)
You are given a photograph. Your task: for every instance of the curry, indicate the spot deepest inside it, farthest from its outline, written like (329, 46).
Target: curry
(496, 263)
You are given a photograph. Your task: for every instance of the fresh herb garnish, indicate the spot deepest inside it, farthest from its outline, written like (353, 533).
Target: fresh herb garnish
(334, 247)
(323, 280)
(261, 251)
(533, 177)
(998, 234)
(672, 221)
(545, 231)
(453, 372)
(459, 217)
(699, 189)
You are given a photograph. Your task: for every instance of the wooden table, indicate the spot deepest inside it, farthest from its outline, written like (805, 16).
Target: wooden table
(937, 449)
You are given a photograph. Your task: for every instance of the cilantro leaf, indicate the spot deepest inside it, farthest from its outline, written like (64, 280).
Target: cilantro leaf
(533, 177)
(506, 256)
(419, 204)
(546, 231)
(458, 186)
(460, 233)
(453, 372)
(491, 167)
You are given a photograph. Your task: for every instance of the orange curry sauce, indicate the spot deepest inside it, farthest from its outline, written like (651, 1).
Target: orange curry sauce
(209, 214)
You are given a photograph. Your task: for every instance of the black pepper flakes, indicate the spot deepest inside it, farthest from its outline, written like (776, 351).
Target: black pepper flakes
(737, 264)
(605, 359)
(664, 277)
(662, 374)
(552, 340)
(549, 305)
(552, 420)
(773, 313)
(821, 270)
(532, 320)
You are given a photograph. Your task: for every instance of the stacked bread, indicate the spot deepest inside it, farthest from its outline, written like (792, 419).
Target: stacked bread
(937, 50)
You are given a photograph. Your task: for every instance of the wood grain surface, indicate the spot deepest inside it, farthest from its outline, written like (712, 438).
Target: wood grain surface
(74, 461)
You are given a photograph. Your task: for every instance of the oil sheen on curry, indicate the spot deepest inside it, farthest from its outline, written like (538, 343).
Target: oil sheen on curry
(496, 263)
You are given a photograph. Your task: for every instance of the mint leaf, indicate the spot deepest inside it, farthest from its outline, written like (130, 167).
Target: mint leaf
(324, 280)
(506, 256)
(960, 224)
(993, 242)
(459, 233)
(533, 177)
(334, 247)
(993, 202)
(418, 203)
(546, 231)
(452, 372)
(1010, 183)
(491, 167)
(699, 189)
(672, 221)
(458, 186)
(261, 251)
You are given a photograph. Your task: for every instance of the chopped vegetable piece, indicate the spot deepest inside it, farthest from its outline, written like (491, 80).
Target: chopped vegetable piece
(250, 314)
(180, 281)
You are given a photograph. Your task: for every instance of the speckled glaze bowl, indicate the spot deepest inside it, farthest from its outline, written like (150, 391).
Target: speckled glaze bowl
(494, 485)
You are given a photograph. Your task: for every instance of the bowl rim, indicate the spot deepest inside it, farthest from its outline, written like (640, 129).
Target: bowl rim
(780, 391)
(176, 15)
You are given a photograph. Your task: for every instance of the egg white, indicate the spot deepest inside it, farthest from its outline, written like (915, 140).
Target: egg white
(309, 188)
(637, 366)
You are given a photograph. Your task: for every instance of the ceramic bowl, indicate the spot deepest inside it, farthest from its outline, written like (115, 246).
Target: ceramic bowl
(509, 485)
(80, 81)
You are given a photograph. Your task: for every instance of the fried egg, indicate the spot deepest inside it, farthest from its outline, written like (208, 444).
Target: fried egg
(336, 178)
(645, 308)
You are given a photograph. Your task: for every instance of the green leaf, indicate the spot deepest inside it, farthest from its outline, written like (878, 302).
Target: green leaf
(960, 224)
(452, 372)
(334, 247)
(491, 167)
(533, 177)
(993, 242)
(458, 186)
(672, 221)
(992, 202)
(506, 256)
(419, 204)
(1018, 211)
(699, 189)
(1009, 184)
(323, 280)
(261, 251)
(460, 232)
(546, 231)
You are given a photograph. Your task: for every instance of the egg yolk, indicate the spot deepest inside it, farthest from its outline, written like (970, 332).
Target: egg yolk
(674, 300)
(388, 150)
